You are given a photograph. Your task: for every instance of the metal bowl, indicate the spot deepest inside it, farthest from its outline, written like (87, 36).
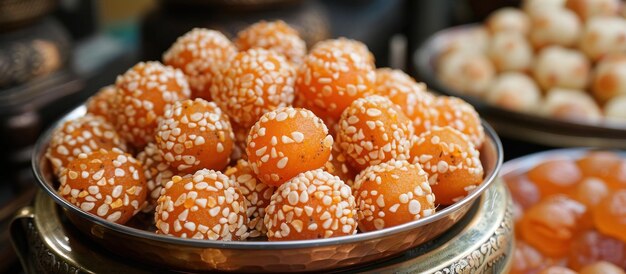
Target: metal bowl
(289, 256)
(518, 125)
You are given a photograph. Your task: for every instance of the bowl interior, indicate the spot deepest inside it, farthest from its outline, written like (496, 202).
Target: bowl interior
(491, 155)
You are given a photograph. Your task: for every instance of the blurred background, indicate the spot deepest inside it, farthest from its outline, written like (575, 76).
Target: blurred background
(56, 53)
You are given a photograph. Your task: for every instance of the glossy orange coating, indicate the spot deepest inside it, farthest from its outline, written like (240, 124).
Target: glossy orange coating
(277, 36)
(592, 246)
(451, 161)
(410, 96)
(555, 176)
(524, 191)
(143, 92)
(373, 130)
(203, 205)
(557, 270)
(333, 75)
(601, 267)
(598, 163)
(609, 215)
(392, 193)
(257, 195)
(100, 104)
(590, 191)
(106, 183)
(312, 205)
(526, 259)
(551, 224)
(195, 134)
(157, 172)
(200, 53)
(254, 82)
(462, 116)
(83, 135)
(286, 142)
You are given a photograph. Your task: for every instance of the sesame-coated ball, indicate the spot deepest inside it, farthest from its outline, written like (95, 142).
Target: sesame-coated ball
(101, 103)
(561, 67)
(205, 205)
(373, 130)
(554, 27)
(200, 53)
(333, 75)
(276, 36)
(609, 79)
(107, 183)
(157, 172)
(195, 134)
(409, 95)
(603, 36)
(143, 92)
(462, 116)
(349, 45)
(451, 161)
(391, 194)
(508, 19)
(254, 82)
(312, 205)
(257, 195)
(515, 91)
(286, 142)
(83, 135)
(466, 72)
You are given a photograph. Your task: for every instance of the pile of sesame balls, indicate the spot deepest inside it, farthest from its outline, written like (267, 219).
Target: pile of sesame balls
(260, 138)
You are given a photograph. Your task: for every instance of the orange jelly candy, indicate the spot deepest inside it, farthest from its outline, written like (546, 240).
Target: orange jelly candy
(524, 192)
(551, 224)
(555, 176)
(590, 191)
(592, 246)
(609, 215)
(526, 259)
(598, 163)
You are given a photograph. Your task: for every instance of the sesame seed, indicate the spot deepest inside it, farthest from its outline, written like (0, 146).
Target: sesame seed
(282, 163)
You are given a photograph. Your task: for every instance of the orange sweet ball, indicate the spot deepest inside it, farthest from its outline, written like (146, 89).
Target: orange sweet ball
(205, 205)
(333, 75)
(200, 53)
(83, 135)
(551, 224)
(601, 267)
(598, 163)
(157, 172)
(592, 246)
(286, 142)
(100, 104)
(372, 130)
(195, 134)
(106, 183)
(451, 161)
(254, 82)
(257, 195)
(526, 259)
(524, 192)
(557, 270)
(555, 176)
(276, 36)
(590, 191)
(349, 45)
(312, 205)
(410, 96)
(461, 116)
(391, 194)
(609, 215)
(143, 92)
(617, 176)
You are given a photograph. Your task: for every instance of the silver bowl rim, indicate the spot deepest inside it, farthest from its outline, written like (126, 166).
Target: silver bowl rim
(39, 154)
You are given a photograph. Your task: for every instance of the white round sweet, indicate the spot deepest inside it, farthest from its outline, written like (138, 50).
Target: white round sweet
(510, 51)
(514, 91)
(554, 27)
(533, 5)
(591, 8)
(615, 109)
(610, 77)
(472, 40)
(602, 36)
(467, 72)
(561, 67)
(571, 104)
(508, 20)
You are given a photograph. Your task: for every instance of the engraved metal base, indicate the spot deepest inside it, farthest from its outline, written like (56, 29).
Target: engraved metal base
(482, 242)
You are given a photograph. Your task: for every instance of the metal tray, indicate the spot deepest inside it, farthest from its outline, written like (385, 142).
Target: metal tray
(518, 125)
(289, 256)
